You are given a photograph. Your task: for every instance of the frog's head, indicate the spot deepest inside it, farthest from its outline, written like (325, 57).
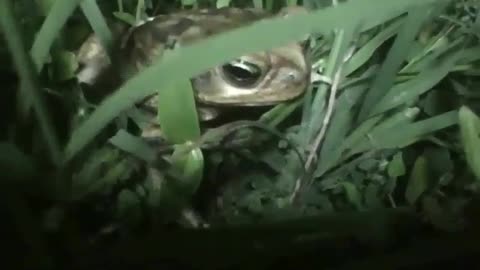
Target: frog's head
(266, 78)
(258, 79)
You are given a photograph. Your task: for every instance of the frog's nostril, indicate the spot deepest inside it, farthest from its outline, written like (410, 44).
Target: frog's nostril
(292, 76)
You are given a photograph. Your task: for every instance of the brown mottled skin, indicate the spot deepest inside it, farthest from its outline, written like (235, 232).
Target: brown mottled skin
(283, 72)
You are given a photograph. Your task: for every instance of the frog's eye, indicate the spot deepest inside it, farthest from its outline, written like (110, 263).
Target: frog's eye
(242, 73)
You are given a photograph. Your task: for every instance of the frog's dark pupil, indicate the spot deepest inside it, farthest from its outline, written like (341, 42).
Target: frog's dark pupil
(242, 74)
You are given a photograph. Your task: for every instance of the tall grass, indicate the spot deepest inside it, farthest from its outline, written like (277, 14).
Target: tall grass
(368, 126)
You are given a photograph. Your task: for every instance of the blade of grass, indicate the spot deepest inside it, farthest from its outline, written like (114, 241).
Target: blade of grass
(227, 46)
(223, 3)
(470, 131)
(431, 53)
(395, 58)
(367, 50)
(341, 124)
(469, 55)
(293, 105)
(43, 43)
(463, 90)
(342, 43)
(177, 114)
(418, 180)
(425, 81)
(188, 2)
(355, 136)
(62, 62)
(428, 59)
(292, 2)
(278, 113)
(316, 140)
(140, 11)
(399, 119)
(50, 30)
(359, 140)
(258, 4)
(269, 5)
(133, 145)
(25, 68)
(404, 135)
(189, 166)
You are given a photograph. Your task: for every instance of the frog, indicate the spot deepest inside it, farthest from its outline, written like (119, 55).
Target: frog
(258, 79)
(264, 78)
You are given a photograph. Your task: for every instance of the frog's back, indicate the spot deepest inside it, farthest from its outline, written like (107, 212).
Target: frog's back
(148, 41)
(137, 46)
(260, 78)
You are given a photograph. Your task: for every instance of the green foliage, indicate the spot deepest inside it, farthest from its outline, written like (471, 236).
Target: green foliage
(388, 133)
(470, 131)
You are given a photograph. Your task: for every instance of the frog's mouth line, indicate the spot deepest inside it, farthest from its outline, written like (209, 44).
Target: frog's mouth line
(240, 101)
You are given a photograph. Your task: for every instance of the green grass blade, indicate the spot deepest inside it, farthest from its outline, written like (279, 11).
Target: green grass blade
(27, 74)
(367, 50)
(189, 166)
(188, 2)
(258, 3)
(58, 15)
(360, 132)
(395, 58)
(292, 2)
(177, 113)
(418, 180)
(228, 46)
(45, 5)
(427, 58)
(341, 124)
(341, 45)
(425, 81)
(361, 138)
(404, 135)
(402, 117)
(353, 195)
(223, 3)
(357, 59)
(470, 131)
(398, 120)
(133, 145)
(279, 113)
(470, 55)
(269, 5)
